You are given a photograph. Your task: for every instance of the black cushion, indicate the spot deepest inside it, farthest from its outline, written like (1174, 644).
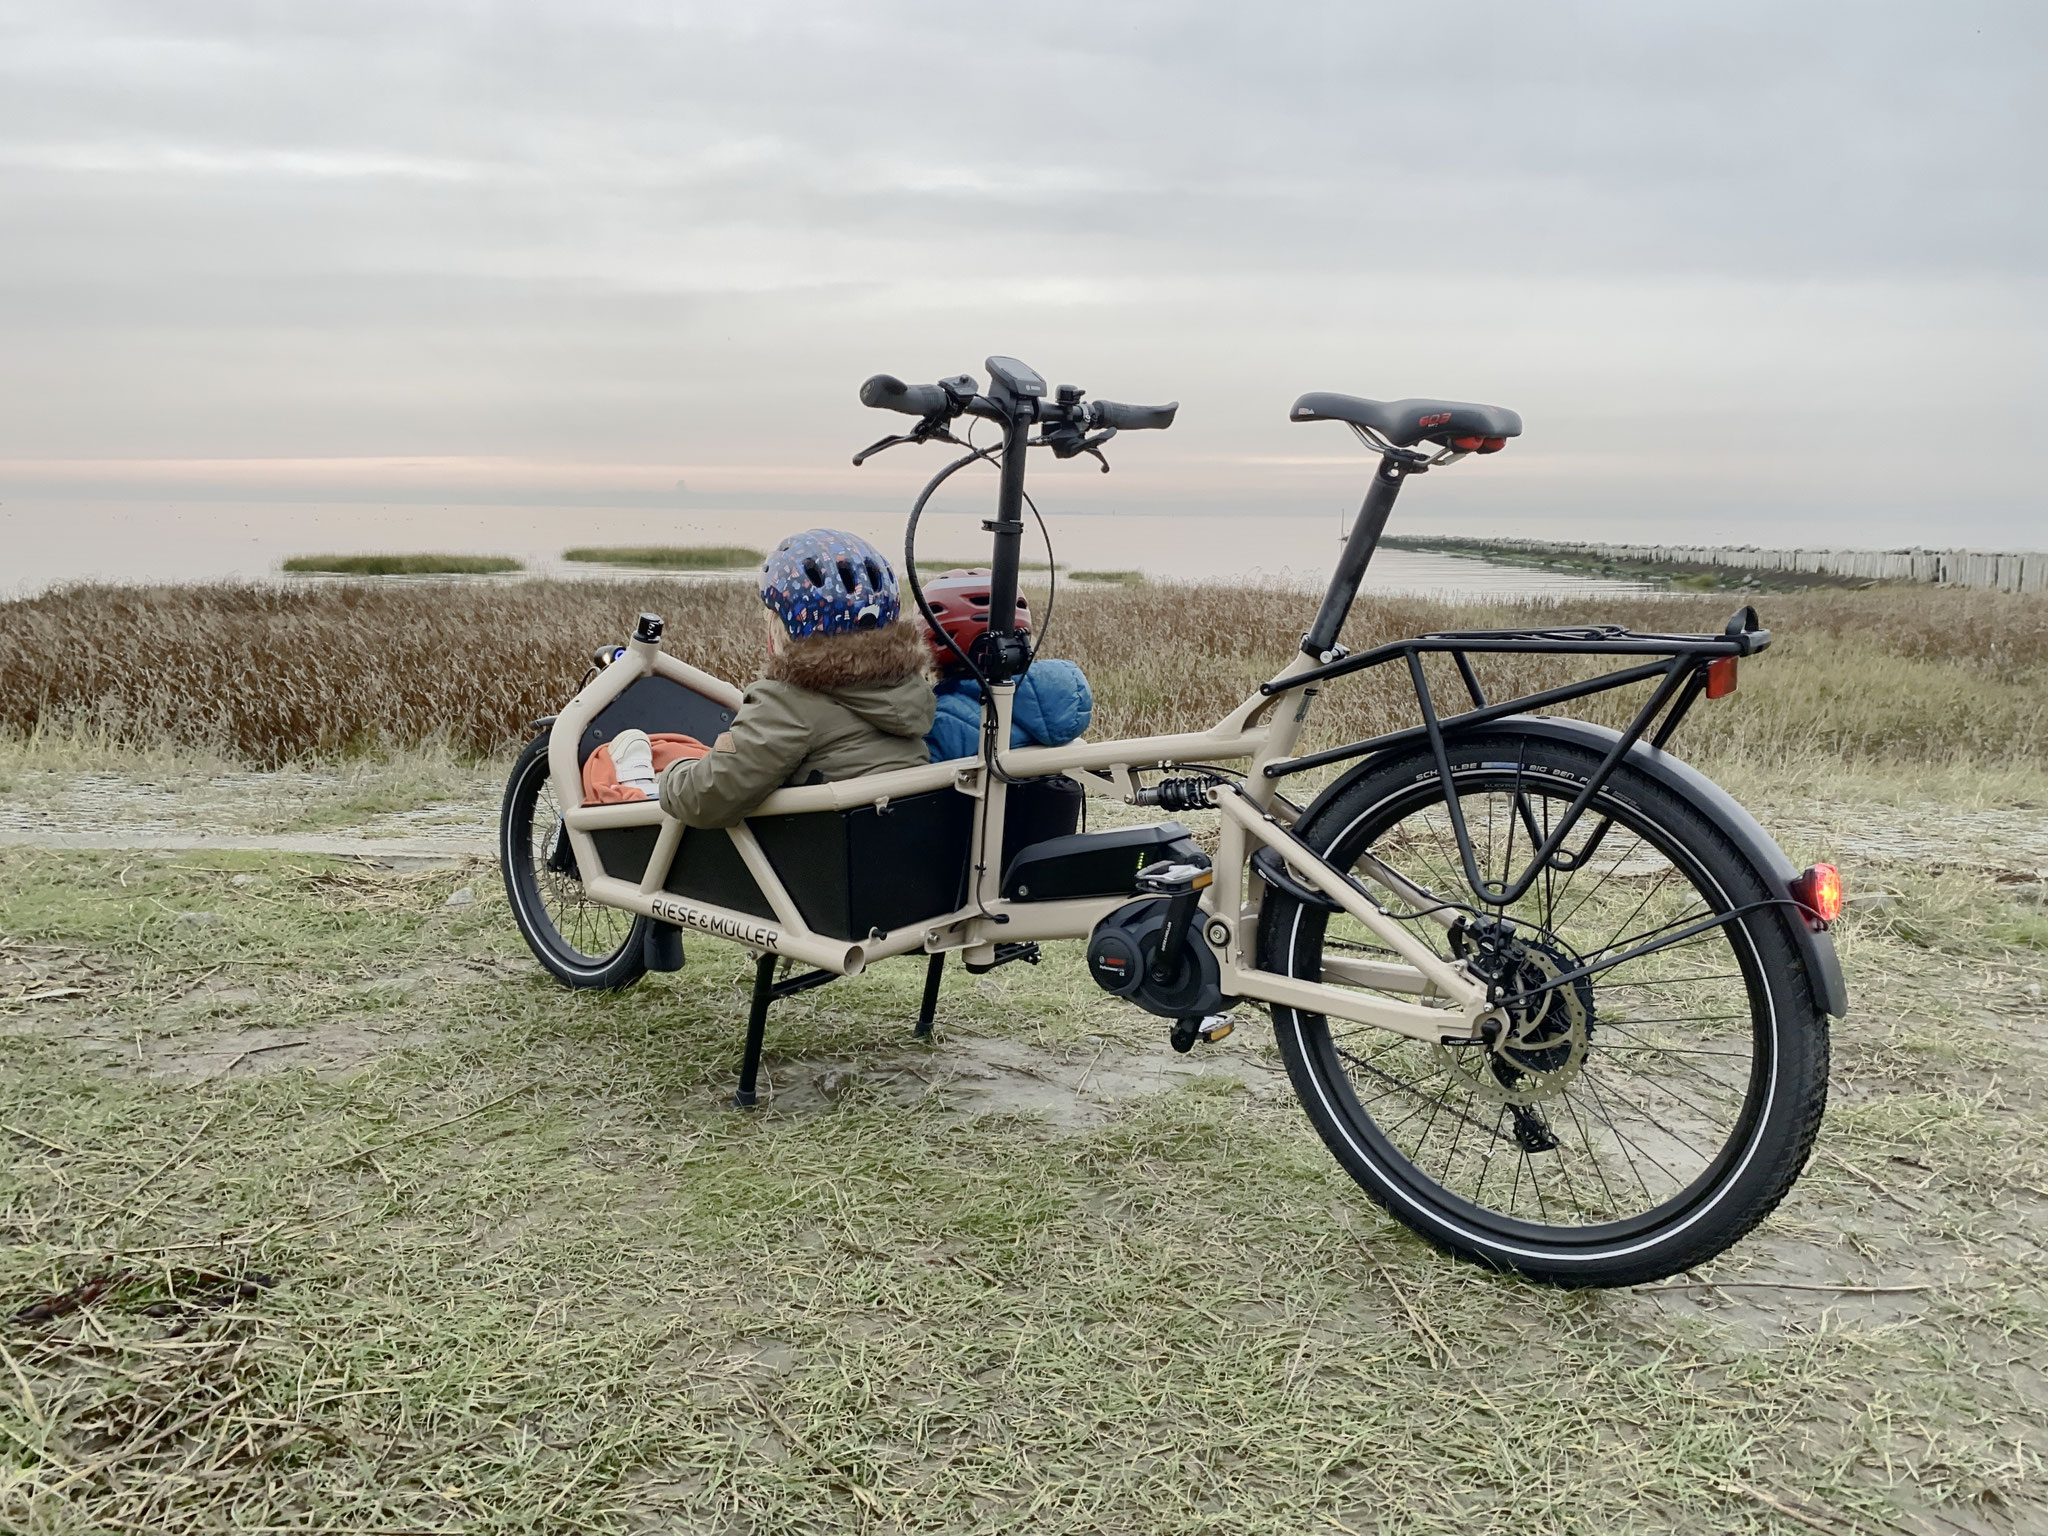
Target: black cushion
(1405, 423)
(655, 704)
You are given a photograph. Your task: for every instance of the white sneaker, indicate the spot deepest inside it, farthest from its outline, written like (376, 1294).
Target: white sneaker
(633, 762)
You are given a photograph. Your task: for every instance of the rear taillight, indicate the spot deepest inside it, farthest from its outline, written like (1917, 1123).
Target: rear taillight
(1819, 890)
(1721, 677)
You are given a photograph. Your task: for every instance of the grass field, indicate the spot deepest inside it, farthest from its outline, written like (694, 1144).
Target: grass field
(322, 1209)
(401, 565)
(272, 674)
(670, 557)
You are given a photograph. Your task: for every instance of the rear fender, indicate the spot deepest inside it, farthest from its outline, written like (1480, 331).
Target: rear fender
(1816, 945)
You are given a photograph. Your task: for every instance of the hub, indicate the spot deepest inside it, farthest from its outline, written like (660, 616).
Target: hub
(1538, 1047)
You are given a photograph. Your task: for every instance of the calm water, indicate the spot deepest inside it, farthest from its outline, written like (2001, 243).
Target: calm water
(43, 542)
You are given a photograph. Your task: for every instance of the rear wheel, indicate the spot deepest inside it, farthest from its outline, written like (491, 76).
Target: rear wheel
(583, 942)
(1627, 1124)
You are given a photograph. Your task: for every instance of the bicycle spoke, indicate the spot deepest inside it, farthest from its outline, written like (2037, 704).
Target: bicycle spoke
(1627, 1151)
(1619, 860)
(1549, 870)
(1486, 1166)
(589, 930)
(1605, 1115)
(1389, 1077)
(1598, 1101)
(1609, 945)
(1593, 1158)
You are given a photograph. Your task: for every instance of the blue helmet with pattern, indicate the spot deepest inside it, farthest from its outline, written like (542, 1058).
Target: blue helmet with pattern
(824, 582)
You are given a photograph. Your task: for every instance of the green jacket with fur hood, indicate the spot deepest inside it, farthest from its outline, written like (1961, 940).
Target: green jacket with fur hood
(832, 707)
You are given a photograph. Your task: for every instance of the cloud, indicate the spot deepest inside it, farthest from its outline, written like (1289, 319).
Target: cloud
(184, 160)
(1715, 238)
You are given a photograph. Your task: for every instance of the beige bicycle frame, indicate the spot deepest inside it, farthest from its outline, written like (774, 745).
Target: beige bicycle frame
(1260, 730)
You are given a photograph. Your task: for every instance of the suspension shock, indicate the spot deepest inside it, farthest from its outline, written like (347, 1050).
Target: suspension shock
(1176, 794)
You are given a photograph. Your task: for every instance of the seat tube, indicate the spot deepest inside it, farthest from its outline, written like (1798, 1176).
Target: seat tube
(1320, 643)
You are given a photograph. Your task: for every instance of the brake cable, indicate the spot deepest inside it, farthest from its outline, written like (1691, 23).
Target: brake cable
(1653, 944)
(910, 558)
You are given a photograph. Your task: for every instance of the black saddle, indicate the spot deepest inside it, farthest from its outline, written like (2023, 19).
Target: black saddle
(1404, 423)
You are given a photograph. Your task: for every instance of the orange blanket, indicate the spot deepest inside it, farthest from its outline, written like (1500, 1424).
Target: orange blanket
(601, 784)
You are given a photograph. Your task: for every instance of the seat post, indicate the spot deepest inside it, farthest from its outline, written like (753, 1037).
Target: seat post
(1320, 643)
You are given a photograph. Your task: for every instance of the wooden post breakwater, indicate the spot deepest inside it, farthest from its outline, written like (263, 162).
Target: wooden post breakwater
(2023, 572)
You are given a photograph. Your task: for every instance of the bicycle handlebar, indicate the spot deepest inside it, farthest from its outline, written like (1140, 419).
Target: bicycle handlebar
(886, 392)
(1131, 418)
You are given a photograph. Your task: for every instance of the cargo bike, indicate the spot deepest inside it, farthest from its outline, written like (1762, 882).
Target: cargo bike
(1548, 994)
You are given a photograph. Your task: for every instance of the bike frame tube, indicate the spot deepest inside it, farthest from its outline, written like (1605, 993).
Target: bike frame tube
(1320, 642)
(1467, 995)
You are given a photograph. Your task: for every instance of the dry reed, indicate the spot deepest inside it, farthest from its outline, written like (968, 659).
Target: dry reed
(273, 674)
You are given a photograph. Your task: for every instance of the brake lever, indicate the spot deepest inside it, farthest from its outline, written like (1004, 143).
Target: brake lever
(1066, 442)
(1092, 446)
(930, 428)
(877, 447)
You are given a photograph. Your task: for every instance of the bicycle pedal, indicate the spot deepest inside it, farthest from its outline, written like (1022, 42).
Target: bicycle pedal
(1191, 1032)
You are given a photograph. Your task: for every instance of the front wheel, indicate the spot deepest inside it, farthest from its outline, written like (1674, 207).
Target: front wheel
(584, 943)
(1630, 1121)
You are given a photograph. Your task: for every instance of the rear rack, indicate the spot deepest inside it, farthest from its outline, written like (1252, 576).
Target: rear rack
(1744, 636)
(1680, 664)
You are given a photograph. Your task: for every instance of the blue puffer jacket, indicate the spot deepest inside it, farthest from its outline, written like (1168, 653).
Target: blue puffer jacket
(1053, 706)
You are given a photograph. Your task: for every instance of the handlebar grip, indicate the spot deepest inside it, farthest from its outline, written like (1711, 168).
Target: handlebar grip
(1133, 418)
(884, 392)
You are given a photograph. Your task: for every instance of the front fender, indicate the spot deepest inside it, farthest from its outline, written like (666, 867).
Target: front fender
(1758, 847)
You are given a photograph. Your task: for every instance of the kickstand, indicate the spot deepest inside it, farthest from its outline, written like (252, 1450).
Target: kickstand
(934, 969)
(757, 1026)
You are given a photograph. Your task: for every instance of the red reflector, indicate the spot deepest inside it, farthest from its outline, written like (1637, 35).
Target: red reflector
(1479, 444)
(1819, 890)
(1721, 677)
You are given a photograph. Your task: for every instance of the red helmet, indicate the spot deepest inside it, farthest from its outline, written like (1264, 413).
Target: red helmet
(959, 599)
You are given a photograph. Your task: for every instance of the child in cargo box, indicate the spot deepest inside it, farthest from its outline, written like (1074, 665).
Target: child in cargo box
(1053, 704)
(845, 695)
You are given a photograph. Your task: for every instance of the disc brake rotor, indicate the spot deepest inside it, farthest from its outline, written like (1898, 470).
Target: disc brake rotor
(1543, 1048)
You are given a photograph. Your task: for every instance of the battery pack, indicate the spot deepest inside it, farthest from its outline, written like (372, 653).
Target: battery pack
(1096, 863)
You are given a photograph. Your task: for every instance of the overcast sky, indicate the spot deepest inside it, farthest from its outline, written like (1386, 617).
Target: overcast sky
(1749, 271)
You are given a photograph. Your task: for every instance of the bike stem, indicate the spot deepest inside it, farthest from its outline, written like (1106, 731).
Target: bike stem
(1320, 642)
